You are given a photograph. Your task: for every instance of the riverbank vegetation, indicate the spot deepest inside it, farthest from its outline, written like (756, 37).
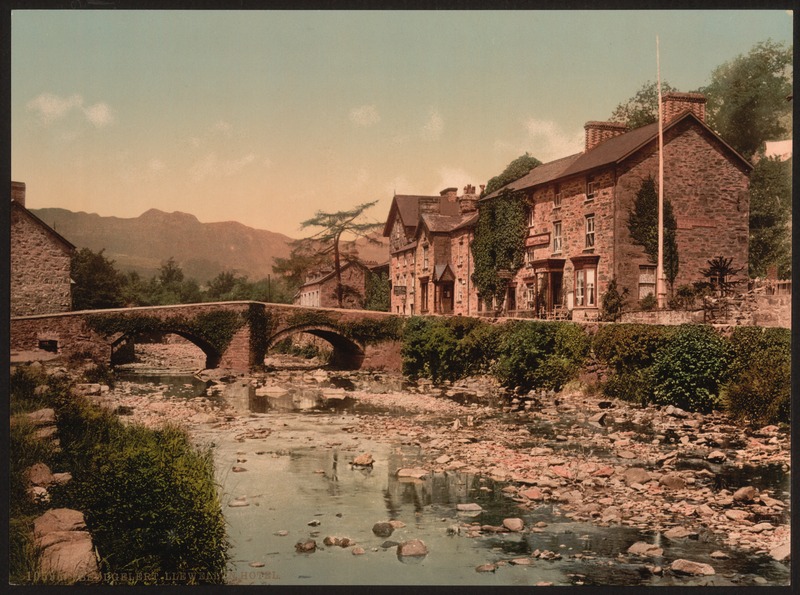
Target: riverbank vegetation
(694, 367)
(148, 496)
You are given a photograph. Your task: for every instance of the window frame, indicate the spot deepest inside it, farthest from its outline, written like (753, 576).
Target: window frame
(558, 239)
(589, 233)
(592, 188)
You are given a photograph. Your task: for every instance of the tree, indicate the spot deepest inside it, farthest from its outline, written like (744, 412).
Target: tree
(643, 227)
(222, 284)
(770, 214)
(642, 108)
(748, 97)
(305, 256)
(513, 171)
(170, 274)
(98, 284)
(377, 292)
(334, 226)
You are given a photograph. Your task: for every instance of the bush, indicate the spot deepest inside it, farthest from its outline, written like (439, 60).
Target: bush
(689, 371)
(431, 350)
(759, 389)
(478, 349)
(537, 354)
(613, 302)
(149, 496)
(648, 302)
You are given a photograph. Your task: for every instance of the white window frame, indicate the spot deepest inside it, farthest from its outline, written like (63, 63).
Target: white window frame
(586, 287)
(647, 280)
(425, 258)
(558, 196)
(592, 188)
(557, 237)
(589, 227)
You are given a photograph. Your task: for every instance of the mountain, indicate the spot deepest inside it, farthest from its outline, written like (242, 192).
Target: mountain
(202, 250)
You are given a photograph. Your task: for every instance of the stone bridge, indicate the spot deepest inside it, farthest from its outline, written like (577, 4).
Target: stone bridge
(234, 335)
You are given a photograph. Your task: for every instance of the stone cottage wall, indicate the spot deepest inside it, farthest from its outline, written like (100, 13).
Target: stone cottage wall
(40, 269)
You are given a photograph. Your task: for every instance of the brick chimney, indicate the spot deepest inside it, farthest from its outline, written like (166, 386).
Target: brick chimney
(18, 193)
(468, 202)
(598, 132)
(675, 104)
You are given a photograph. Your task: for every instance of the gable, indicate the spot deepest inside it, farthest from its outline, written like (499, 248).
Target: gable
(20, 211)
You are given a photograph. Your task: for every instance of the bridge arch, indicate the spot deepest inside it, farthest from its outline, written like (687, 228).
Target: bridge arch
(347, 353)
(122, 345)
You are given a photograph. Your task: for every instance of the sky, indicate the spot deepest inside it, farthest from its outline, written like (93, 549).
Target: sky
(266, 117)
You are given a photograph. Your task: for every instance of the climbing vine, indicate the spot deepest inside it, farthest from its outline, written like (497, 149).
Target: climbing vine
(365, 331)
(643, 227)
(216, 328)
(499, 243)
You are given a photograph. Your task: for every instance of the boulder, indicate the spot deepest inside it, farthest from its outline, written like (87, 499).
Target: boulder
(716, 456)
(39, 475)
(642, 548)
(781, 553)
(672, 481)
(68, 556)
(308, 546)
(469, 507)
(636, 475)
(682, 566)
(364, 460)
(745, 494)
(42, 417)
(514, 524)
(382, 529)
(598, 418)
(412, 548)
(59, 519)
(358, 551)
(737, 515)
(532, 494)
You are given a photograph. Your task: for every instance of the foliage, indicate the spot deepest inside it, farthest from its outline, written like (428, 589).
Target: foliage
(499, 243)
(368, 331)
(690, 369)
(648, 302)
(613, 302)
(304, 257)
(513, 171)
(628, 351)
(643, 227)
(642, 108)
(149, 496)
(747, 97)
(540, 354)
(759, 389)
(684, 298)
(377, 292)
(214, 328)
(479, 347)
(770, 214)
(97, 283)
(444, 348)
(720, 272)
(23, 394)
(334, 226)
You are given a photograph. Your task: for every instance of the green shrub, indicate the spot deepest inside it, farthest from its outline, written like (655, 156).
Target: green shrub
(430, 350)
(540, 354)
(648, 302)
(689, 371)
(149, 496)
(478, 349)
(759, 389)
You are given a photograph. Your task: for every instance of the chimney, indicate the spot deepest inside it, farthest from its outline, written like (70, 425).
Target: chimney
(468, 202)
(429, 204)
(675, 104)
(449, 193)
(598, 132)
(18, 193)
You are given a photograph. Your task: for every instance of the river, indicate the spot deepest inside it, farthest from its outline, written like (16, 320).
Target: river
(283, 452)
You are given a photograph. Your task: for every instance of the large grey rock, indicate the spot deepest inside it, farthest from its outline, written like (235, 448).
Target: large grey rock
(682, 566)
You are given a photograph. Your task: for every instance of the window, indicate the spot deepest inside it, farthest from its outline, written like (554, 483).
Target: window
(557, 196)
(557, 236)
(647, 281)
(590, 231)
(460, 292)
(592, 187)
(424, 258)
(423, 298)
(529, 256)
(531, 215)
(585, 287)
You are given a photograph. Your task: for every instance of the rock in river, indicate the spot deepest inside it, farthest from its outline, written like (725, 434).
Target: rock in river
(382, 529)
(412, 548)
(641, 548)
(513, 524)
(682, 566)
(364, 460)
(745, 494)
(306, 547)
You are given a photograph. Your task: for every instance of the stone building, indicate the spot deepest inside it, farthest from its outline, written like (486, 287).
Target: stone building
(430, 265)
(319, 290)
(579, 206)
(40, 262)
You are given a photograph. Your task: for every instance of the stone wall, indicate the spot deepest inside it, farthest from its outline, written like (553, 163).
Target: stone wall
(710, 200)
(40, 268)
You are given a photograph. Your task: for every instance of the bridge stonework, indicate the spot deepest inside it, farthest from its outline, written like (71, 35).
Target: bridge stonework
(233, 335)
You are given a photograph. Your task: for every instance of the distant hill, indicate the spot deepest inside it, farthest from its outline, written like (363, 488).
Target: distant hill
(202, 250)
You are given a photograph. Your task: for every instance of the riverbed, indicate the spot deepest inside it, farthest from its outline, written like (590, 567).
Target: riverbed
(587, 478)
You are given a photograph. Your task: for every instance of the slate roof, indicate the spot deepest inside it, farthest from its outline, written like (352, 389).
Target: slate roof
(613, 150)
(408, 209)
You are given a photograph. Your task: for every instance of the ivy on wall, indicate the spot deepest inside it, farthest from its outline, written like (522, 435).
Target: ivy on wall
(643, 227)
(499, 243)
(365, 331)
(215, 328)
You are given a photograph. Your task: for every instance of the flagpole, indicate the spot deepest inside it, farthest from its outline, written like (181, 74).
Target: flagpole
(661, 293)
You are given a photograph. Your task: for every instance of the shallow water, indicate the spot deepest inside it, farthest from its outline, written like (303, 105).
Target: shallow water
(300, 473)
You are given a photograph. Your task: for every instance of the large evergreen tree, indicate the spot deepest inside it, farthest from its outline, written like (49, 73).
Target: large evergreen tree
(97, 283)
(643, 227)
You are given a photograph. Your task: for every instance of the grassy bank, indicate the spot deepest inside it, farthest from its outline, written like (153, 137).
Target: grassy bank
(148, 496)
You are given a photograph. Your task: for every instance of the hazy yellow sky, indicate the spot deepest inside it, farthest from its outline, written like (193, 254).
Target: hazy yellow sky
(266, 117)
